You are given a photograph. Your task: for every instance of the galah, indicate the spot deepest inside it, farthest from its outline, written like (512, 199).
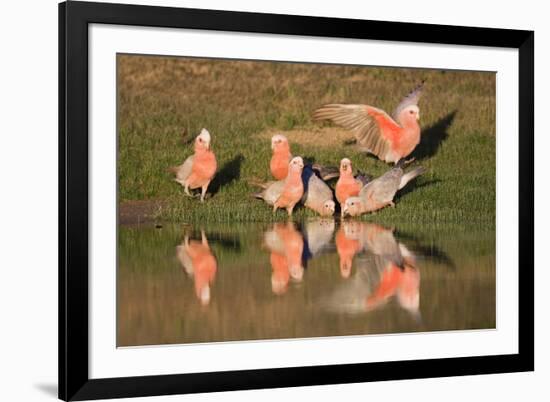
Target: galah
(318, 235)
(317, 194)
(198, 169)
(286, 241)
(199, 262)
(398, 274)
(291, 188)
(385, 270)
(280, 275)
(379, 193)
(389, 138)
(401, 282)
(347, 185)
(346, 246)
(282, 155)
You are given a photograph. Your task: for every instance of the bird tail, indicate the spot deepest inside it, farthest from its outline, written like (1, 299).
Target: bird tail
(364, 178)
(326, 172)
(258, 183)
(400, 164)
(407, 177)
(172, 169)
(259, 196)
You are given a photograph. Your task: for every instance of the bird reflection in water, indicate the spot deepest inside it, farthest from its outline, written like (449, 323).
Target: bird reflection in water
(199, 263)
(385, 269)
(347, 245)
(286, 245)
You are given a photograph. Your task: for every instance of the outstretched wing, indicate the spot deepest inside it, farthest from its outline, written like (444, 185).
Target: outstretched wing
(411, 99)
(372, 127)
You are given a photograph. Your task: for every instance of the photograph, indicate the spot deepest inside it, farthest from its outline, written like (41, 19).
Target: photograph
(267, 200)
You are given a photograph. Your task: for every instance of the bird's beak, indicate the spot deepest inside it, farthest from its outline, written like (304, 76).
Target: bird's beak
(272, 145)
(345, 211)
(418, 116)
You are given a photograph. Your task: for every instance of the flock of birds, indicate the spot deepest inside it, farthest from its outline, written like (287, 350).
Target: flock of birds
(390, 138)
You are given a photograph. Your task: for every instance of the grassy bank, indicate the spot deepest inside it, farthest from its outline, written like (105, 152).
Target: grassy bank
(162, 100)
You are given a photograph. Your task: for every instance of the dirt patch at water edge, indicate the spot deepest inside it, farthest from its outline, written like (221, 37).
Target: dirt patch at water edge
(321, 137)
(137, 212)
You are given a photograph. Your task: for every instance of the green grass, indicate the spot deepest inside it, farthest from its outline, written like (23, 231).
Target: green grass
(243, 103)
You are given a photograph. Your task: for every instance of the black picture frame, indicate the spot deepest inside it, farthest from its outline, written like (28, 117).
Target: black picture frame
(74, 18)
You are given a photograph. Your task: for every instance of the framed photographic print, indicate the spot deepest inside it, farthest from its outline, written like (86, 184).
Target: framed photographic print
(258, 201)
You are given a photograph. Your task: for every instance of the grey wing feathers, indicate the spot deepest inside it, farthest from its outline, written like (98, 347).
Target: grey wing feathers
(319, 188)
(383, 188)
(407, 177)
(184, 170)
(411, 99)
(357, 119)
(272, 192)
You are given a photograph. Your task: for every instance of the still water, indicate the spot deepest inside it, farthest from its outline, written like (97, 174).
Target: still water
(184, 284)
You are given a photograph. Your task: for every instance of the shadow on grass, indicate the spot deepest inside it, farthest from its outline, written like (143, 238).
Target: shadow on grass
(412, 186)
(229, 173)
(350, 141)
(433, 137)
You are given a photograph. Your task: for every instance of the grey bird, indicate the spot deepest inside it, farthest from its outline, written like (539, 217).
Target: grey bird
(317, 194)
(380, 192)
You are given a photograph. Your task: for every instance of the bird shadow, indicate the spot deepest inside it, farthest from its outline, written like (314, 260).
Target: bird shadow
(414, 186)
(433, 137)
(230, 172)
(349, 141)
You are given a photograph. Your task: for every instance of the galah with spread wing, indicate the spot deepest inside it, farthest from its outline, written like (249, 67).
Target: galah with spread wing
(389, 138)
(380, 192)
(199, 169)
(282, 155)
(348, 185)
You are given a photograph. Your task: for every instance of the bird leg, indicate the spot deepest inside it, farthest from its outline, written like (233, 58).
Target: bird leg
(409, 161)
(203, 191)
(274, 208)
(289, 210)
(186, 189)
(204, 240)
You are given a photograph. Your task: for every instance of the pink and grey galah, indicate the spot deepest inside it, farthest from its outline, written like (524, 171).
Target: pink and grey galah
(389, 138)
(380, 192)
(293, 188)
(347, 185)
(281, 156)
(198, 170)
(317, 195)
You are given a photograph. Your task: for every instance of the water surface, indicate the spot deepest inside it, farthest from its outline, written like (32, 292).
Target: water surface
(186, 284)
